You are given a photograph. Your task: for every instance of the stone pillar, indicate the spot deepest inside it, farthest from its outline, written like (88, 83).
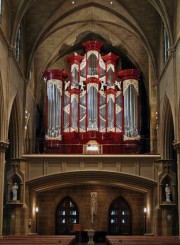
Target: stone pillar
(3, 147)
(177, 148)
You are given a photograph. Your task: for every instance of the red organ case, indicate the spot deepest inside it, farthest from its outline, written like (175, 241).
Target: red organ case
(94, 109)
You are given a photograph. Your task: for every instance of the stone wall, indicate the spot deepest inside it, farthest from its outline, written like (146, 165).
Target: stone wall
(49, 200)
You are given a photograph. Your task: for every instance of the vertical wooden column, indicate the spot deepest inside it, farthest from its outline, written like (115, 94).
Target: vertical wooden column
(3, 147)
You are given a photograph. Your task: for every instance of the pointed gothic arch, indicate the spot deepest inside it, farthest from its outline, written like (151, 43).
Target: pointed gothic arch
(67, 214)
(119, 217)
(15, 134)
(167, 130)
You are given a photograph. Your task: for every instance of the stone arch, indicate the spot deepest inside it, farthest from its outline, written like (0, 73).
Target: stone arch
(91, 28)
(15, 134)
(67, 214)
(76, 38)
(163, 12)
(167, 132)
(119, 217)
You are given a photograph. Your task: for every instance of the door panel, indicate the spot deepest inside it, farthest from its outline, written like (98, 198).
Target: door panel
(119, 217)
(67, 215)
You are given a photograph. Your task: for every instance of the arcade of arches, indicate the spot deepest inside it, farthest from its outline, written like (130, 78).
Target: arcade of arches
(90, 117)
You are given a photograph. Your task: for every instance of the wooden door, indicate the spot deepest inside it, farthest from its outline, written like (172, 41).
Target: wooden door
(119, 217)
(67, 215)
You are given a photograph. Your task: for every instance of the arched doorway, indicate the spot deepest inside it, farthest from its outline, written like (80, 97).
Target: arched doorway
(119, 217)
(67, 214)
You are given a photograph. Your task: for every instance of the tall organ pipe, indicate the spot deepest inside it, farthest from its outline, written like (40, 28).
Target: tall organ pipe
(130, 79)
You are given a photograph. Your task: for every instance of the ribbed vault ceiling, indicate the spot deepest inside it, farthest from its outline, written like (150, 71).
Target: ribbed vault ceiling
(53, 27)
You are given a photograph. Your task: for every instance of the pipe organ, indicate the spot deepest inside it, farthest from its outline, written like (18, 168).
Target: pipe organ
(93, 105)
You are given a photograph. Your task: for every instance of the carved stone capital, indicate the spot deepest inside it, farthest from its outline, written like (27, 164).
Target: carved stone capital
(155, 83)
(177, 146)
(165, 165)
(26, 81)
(3, 146)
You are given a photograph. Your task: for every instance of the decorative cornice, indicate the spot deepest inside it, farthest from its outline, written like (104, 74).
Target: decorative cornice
(3, 146)
(129, 74)
(55, 74)
(74, 58)
(92, 45)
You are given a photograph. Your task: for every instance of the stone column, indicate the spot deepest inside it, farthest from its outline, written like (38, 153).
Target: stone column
(177, 148)
(3, 147)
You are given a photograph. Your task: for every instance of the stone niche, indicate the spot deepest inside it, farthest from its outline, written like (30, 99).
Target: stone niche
(15, 187)
(167, 185)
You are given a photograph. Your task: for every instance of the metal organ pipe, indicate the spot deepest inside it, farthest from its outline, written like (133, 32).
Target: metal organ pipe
(92, 80)
(54, 79)
(74, 61)
(111, 92)
(92, 107)
(130, 79)
(93, 98)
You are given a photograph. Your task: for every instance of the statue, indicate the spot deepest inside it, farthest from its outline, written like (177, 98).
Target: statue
(82, 86)
(93, 205)
(168, 193)
(67, 84)
(103, 85)
(118, 84)
(14, 191)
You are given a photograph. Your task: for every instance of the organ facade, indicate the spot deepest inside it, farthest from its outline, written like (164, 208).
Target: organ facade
(94, 108)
